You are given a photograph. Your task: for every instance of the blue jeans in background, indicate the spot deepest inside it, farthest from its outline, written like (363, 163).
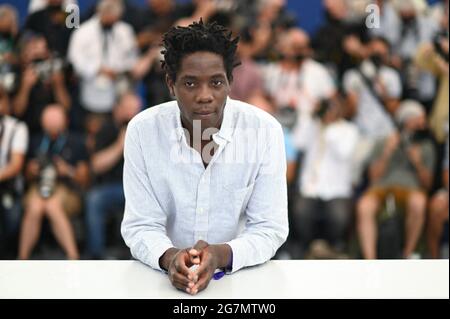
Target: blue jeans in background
(101, 202)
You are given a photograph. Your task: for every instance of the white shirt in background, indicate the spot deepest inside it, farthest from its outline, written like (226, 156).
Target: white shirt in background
(326, 170)
(87, 54)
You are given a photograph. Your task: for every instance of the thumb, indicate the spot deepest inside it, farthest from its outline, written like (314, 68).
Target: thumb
(194, 256)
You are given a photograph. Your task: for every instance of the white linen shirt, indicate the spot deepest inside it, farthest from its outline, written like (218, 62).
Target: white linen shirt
(171, 200)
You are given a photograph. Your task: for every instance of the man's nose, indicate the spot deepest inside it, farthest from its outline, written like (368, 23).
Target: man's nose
(204, 95)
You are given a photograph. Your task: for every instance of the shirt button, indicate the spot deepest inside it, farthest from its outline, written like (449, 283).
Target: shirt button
(200, 210)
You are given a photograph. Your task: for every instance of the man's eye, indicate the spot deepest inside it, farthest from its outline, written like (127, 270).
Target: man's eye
(189, 84)
(217, 82)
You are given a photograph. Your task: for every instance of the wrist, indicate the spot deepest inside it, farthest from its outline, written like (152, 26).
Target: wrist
(166, 259)
(222, 255)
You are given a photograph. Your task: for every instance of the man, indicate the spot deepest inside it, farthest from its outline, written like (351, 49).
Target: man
(50, 22)
(106, 196)
(176, 198)
(102, 50)
(296, 81)
(328, 143)
(57, 170)
(13, 147)
(438, 212)
(41, 82)
(402, 169)
(373, 91)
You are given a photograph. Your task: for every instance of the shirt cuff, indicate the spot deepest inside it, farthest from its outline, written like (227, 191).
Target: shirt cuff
(238, 255)
(151, 255)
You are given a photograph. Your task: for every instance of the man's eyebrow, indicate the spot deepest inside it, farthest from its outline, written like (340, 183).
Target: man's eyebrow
(194, 77)
(218, 75)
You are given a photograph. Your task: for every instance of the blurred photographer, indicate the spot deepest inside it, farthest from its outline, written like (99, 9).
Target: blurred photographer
(13, 147)
(103, 51)
(50, 21)
(401, 168)
(106, 196)
(8, 39)
(433, 57)
(57, 171)
(296, 82)
(41, 81)
(373, 94)
(328, 142)
(438, 211)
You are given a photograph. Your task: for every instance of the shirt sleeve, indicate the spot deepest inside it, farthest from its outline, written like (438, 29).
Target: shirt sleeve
(266, 226)
(79, 55)
(393, 83)
(20, 139)
(144, 223)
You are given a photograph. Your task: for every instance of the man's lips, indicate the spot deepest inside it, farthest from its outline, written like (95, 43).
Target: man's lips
(203, 114)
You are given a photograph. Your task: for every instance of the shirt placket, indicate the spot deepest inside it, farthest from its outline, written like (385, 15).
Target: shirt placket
(203, 198)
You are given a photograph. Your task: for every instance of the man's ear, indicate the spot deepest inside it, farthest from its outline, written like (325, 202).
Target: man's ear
(170, 85)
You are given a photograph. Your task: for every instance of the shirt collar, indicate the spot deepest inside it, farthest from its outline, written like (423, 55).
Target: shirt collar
(226, 130)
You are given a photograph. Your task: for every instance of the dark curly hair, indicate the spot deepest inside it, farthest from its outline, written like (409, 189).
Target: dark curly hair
(211, 37)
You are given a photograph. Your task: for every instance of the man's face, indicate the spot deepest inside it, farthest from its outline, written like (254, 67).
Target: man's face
(53, 121)
(416, 123)
(201, 89)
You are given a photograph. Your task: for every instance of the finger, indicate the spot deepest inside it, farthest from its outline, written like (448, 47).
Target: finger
(202, 268)
(181, 265)
(200, 245)
(195, 256)
(180, 286)
(201, 284)
(183, 280)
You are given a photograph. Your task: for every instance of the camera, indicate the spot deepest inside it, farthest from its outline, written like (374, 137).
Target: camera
(47, 176)
(437, 44)
(323, 107)
(416, 137)
(45, 68)
(7, 76)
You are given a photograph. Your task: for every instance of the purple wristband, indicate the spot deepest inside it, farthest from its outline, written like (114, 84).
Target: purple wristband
(228, 268)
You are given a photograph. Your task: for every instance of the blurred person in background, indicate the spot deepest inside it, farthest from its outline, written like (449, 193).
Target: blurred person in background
(57, 171)
(40, 82)
(438, 211)
(266, 20)
(401, 168)
(8, 41)
(433, 57)
(50, 22)
(36, 5)
(328, 142)
(131, 12)
(414, 29)
(106, 195)
(13, 148)
(373, 92)
(248, 84)
(338, 43)
(157, 17)
(103, 50)
(296, 82)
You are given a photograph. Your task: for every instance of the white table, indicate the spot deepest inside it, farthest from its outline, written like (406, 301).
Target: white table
(273, 280)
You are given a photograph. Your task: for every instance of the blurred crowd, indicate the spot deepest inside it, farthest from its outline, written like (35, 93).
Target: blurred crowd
(363, 102)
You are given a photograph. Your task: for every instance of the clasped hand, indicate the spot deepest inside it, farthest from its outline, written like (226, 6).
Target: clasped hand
(192, 281)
